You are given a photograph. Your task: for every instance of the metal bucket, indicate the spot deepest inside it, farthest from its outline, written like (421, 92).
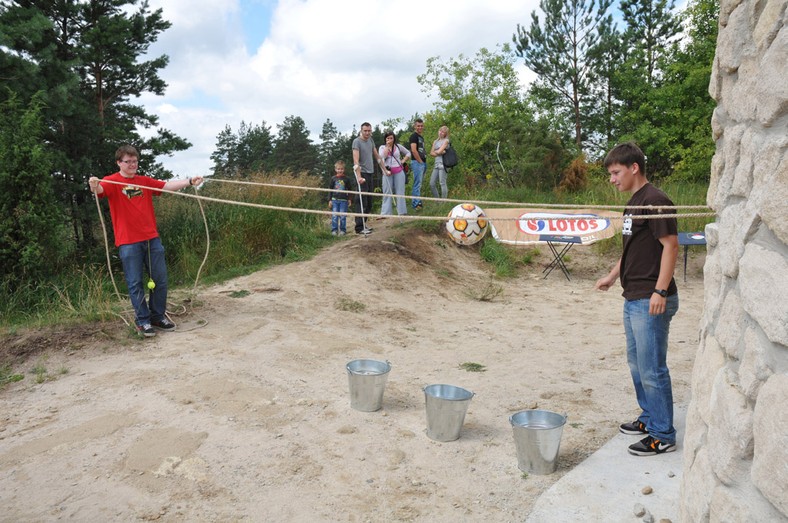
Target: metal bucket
(367, 379)
(537, 436)
(446, 407)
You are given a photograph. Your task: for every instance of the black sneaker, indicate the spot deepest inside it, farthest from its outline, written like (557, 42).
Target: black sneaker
(146, 329)
(649, 446)
(634, 428)
(164, 324)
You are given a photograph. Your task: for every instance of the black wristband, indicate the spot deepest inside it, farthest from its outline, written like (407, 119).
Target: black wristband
(662, 293)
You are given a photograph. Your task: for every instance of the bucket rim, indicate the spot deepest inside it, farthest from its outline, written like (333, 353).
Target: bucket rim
(385, 363)
(552, 413)
(472, 394)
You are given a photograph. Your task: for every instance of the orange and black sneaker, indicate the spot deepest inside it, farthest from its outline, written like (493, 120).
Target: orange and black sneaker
(650, 446)
(633, 428)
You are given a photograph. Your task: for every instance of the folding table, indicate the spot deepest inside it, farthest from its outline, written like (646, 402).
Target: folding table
(559, 246)
(690, 238)
(559, 229)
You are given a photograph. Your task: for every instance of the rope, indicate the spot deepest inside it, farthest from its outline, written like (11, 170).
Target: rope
(106, 247)
(411, 217)
(200, 198)
(449, 200)
(207, 243)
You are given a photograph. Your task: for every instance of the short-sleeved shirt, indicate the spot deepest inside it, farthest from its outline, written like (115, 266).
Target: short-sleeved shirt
(131, 208)
(365, 154)
(419, 141)
(340, 183)
(435, 146)
(642, 255)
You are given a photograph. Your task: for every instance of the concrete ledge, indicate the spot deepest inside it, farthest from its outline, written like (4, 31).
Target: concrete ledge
(608, 485)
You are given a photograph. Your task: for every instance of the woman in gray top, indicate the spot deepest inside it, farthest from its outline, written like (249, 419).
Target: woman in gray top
(439, 171)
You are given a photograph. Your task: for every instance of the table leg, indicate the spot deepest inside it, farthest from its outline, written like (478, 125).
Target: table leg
(686, 248)
(558, 260)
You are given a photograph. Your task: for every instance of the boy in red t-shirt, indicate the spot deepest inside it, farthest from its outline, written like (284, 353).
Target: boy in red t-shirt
(136, 236)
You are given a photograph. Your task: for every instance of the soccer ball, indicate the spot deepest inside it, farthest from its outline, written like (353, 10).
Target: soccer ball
(466, 224)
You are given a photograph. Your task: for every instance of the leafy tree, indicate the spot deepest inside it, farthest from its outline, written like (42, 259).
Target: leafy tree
(293, 149)
(29, 216)
(392, 124)
(491, 122)
(533, 153)
(683, 98)
(651, 29)
(560, 52)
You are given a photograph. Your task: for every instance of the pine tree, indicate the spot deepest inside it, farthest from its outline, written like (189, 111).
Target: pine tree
(333, 146)
(560, 51)
(247, 152)
(87, 58)
(650, 34)
(293, 149)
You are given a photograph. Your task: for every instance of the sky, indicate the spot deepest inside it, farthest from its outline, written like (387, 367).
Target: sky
(349, 61)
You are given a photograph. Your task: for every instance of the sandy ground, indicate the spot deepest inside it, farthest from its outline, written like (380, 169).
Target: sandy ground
(244, 413)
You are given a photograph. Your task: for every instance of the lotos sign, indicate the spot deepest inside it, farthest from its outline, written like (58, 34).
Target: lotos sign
(562, 224)
(529, 226)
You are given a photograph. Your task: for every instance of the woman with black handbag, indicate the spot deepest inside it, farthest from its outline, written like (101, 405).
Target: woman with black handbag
(439, 170)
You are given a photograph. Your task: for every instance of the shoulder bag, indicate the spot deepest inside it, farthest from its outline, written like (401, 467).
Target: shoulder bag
(450, 158)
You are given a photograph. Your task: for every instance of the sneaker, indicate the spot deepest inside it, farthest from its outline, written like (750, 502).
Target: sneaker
(146, 329)
(364, 231)
(650, 446)
(342, 233)
(633, 428)
(164, 324)
(333, 233)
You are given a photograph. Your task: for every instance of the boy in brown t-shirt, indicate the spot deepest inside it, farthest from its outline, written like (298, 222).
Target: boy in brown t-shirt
(651, 298)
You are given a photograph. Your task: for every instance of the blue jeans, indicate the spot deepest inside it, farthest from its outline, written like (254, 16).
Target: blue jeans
(418, 170)
(338, 222)
(148, 255)
(647, 351)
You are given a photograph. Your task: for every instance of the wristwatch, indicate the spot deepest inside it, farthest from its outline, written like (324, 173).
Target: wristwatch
(662, 293)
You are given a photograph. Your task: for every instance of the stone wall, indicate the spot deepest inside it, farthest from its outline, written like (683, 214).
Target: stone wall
(736, 443)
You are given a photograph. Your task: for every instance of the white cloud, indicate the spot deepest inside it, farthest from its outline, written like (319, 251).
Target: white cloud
(343, 60)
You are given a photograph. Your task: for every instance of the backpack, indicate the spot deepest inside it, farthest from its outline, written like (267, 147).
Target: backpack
(450, 158)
